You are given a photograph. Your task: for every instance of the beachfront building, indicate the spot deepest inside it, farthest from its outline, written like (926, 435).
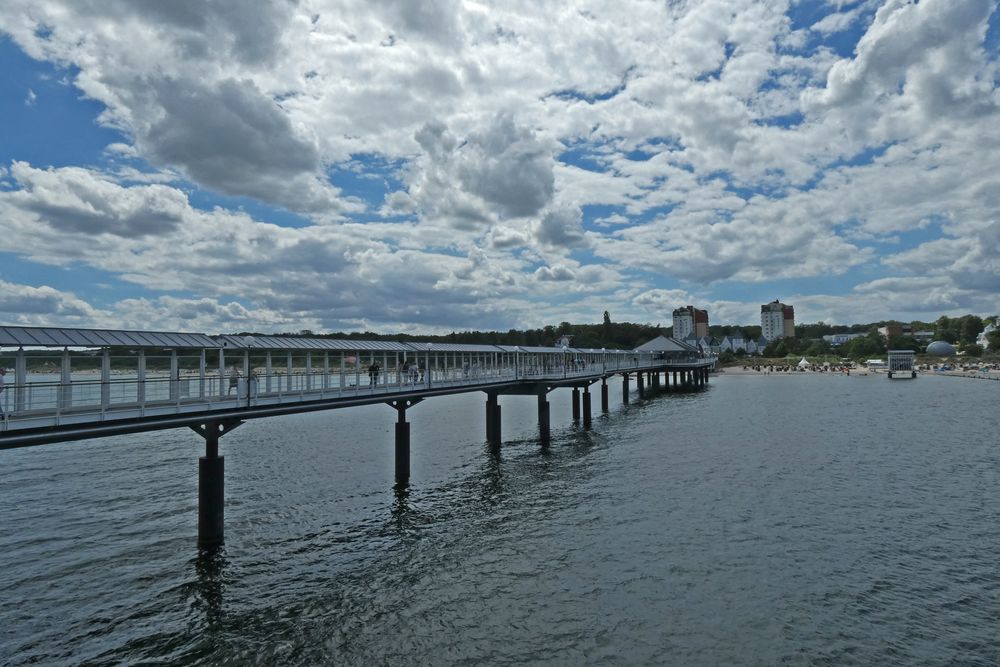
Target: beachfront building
(689, 321)
(663, 347)
(777, 320)
(894, 330)
(706, 343)
(733, 344)
(982, 340)
(836, 340)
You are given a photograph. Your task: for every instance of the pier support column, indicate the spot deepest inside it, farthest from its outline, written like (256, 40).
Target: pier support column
(402, 440)
(640, 384)
(211, 483)
(625, 388)
(656, 382)
(604, 395)
(576, 404)
(586, 407)
(543, 418)
(402, 446)
(492, 420)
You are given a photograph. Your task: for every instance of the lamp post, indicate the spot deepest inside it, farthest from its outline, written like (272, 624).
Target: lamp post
(564, 362)
(604, 360)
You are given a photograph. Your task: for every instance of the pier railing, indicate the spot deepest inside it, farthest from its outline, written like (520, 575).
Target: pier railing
(81, 397)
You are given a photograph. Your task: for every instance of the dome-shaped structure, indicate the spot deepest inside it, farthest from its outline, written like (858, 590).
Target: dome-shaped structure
(940, 348)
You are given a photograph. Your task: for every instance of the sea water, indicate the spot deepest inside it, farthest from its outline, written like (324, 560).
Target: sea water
(801, 519)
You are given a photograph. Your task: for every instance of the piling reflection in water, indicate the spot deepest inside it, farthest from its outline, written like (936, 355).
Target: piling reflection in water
(210, 567)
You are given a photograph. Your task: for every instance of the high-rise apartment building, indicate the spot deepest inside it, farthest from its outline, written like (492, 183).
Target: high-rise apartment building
(777, 320)
(689, 320)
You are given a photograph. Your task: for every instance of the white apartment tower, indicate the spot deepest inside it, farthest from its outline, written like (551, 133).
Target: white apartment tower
(777, 320)
(690, 321)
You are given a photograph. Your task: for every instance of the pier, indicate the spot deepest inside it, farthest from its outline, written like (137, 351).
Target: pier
(74, 384)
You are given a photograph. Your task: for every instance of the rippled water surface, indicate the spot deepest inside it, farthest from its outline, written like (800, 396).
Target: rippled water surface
(799, 520)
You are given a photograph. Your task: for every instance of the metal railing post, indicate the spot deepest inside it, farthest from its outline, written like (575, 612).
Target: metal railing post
(326, 371)
(141, 386)
(267, 372)
(201, 375)
(309, 370)
(175, 379)
(105, 380)
(222, 373)
(65, 384)
(20, 380)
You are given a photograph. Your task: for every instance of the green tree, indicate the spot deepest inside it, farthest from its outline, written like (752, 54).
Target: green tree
(971, 327)
(993, 338)
(818, 348)
(865, 347)
(607, 329)
(945, 329)
(904, 343)
(777, 348)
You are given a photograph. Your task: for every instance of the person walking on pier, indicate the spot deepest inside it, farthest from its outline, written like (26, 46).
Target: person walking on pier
(373, 373)
(234, 380)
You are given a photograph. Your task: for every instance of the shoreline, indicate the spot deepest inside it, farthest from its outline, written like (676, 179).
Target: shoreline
(854, 372)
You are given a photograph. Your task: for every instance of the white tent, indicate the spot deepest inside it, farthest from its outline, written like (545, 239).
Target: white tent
(804, 363)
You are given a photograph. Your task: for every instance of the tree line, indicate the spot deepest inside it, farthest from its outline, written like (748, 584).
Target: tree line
(607, 334)
(808, 341)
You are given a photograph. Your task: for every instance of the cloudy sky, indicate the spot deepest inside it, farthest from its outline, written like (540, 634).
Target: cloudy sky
(442, 165)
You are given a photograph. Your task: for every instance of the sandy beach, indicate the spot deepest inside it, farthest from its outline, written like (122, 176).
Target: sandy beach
(992, 374)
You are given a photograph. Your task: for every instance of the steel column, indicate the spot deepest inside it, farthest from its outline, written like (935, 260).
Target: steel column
(309, 371)
(105, 379)
(402, 445)
(201, 374)
(211, 484)
(493, 433)
(21, 380)
(175, 377)
(66, 380)
(222, 372)
(141, 387)
(604, 395)
(576, 404)
(625, 388)
(586, 407)
(544, 430)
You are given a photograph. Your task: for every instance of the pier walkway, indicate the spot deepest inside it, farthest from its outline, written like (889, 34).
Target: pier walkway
(72, 384)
